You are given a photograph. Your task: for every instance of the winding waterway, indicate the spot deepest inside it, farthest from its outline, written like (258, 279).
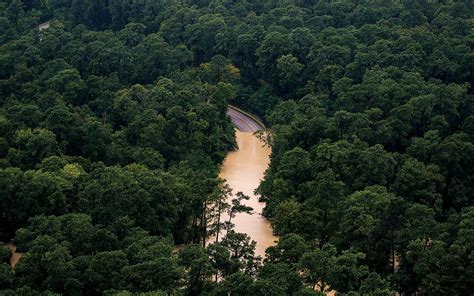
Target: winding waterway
(243, 170)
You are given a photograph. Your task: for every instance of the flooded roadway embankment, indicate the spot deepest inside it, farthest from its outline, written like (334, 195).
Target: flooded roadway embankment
(243, 170)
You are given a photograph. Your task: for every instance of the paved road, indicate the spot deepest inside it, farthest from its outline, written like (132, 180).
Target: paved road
(43, 26)
(243, 122)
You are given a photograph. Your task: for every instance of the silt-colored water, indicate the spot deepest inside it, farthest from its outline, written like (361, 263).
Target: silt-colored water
(243, 170)
(15, 255)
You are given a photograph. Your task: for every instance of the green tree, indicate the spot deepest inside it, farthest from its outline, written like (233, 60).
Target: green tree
(199, 269)
(6, 276)
(289, 73)
(368, 224)
(242, 250)
(289, 249)
(105, 269)
(420, 183)
(347, 272)
(33, 146)
(316, 266)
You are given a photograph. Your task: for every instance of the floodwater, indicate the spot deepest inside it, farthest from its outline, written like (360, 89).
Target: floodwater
(15, 256)
(243, 170)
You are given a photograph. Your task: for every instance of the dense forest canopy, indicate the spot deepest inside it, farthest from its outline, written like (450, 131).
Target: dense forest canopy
(113, 126)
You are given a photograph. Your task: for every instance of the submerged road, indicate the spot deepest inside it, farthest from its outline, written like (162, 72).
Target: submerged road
(243, 122)
(243, 170)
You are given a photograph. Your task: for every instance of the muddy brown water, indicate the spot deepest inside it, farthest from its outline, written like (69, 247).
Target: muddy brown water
(15, 256)
(243, 170)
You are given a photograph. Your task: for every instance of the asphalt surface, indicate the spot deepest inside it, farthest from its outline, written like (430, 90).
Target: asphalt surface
(43, 26)
(243, 122)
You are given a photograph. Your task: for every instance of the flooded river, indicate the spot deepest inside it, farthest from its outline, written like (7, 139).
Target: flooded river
(243, 169)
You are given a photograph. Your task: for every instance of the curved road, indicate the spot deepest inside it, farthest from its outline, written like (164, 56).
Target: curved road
(243, 122)
(43, 26)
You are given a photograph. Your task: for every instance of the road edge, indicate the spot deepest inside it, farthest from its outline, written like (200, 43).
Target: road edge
(251, 116)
